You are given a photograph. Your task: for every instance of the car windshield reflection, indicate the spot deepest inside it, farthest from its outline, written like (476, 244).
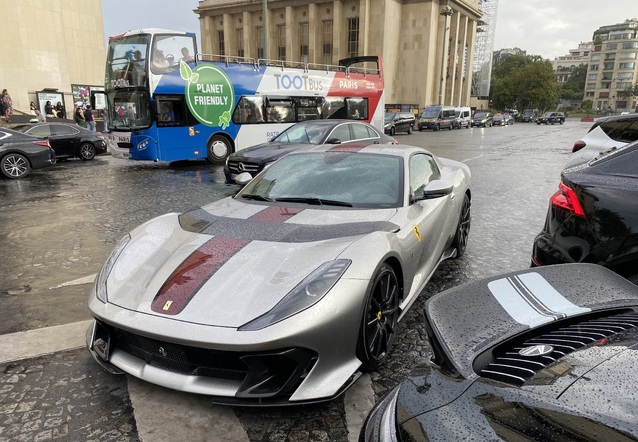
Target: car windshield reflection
(302, 133)
(331, 178)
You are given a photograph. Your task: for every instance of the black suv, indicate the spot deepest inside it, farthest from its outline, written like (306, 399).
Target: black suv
(529, 115)
(551, 118)
(394, 122)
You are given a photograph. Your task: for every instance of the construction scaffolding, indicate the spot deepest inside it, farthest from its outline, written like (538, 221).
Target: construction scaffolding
(483, 49)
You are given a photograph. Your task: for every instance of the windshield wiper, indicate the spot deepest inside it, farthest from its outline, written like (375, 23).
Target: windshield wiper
(316, 201)
(254, 196)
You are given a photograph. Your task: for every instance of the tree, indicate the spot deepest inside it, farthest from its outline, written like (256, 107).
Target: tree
(574, 87)
(524, 81)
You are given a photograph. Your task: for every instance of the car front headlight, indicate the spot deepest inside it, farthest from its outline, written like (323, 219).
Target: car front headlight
(307, 293)
(103, 274)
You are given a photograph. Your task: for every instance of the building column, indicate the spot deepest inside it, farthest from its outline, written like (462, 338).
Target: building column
(338, 34)
(249, 48)
(228, 34)
(292, 46)
(314, 34)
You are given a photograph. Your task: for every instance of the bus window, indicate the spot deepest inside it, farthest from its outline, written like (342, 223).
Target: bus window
(357, 108)
(280, 110)
(126, 62)
(168, 50)
(249, 110)
(333, 107)
(130, 110)
(170, 110)
(307, 108)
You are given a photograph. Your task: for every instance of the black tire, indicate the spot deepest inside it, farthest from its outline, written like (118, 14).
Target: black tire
(87, 151)
(437, 127)
(392, 131)
(218, 149)
(15, 166)
(463, 228)
(450, 127)
(409, 129)
(380, 318)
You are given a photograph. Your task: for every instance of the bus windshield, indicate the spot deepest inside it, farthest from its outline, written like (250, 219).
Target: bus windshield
(126, 61)
(129, 109)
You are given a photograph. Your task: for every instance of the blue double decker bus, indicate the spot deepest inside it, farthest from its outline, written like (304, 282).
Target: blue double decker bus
(166, 102)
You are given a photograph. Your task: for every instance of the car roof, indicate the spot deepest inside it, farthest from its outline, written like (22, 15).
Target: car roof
(401, 150)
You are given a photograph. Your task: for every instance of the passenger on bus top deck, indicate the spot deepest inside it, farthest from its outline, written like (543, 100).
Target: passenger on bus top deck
(186, 56)
(159, 60)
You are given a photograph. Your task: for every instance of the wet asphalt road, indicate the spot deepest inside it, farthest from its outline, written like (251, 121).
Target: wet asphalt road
(58, 225)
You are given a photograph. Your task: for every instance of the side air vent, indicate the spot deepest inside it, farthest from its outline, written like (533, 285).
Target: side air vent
(520, 363)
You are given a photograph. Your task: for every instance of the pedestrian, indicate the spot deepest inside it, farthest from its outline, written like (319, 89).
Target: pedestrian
(33, 108)
(78, 116)
(48, 109)
(88, 116)
(40, 118)
(59, 110)
(7, 104)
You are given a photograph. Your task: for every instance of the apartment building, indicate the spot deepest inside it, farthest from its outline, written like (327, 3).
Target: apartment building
(427, 46)
(613, 67)
(565, 64)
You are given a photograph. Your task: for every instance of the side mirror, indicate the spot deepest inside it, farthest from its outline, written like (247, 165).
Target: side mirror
(434, 189)
(243, 178)
(333, 141)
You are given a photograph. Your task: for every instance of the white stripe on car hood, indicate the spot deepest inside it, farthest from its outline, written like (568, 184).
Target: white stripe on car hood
(529, 299)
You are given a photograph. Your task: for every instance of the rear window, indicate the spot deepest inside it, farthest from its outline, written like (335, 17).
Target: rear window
(625, 130)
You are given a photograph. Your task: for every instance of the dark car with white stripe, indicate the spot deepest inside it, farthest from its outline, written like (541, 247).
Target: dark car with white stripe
(593, 217)
(307, 133)
(547, 354)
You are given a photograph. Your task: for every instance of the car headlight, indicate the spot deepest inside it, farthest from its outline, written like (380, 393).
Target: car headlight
(103, 274)
(381, 423)
(307, 293)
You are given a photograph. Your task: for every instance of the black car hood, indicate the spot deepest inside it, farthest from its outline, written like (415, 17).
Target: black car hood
(498, 309)
(267, 152)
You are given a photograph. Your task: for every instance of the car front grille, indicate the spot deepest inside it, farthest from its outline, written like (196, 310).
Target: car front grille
(236, 166)
(513, 368)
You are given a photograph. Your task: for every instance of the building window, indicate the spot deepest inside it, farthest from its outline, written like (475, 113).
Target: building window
(259, 41)
(592, 76)
(303, 42)
(591, 86)
(240, 42)
(220, 37)
(605, 85)
(625, 75)
(593, 67)
(595, 57)
(630, 45)
(628, 56)
(606, 76)
(623, 84)
(281, 42)
(612, 46)
(610, 57)
(608, 66)
(326, 31)
(353, 37)
(589, 94)
(627, 66)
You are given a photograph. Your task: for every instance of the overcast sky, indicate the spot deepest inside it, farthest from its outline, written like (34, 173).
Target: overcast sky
(548, 28)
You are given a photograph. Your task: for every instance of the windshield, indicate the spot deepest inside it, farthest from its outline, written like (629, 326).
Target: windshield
(431, 112)
(303, 133)
(480, 115)
(331, 178)
(547, 114)
(126, 61)
(128, 110)
(389, 116)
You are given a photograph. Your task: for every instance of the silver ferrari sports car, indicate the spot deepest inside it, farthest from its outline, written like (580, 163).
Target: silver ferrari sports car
(288, 291)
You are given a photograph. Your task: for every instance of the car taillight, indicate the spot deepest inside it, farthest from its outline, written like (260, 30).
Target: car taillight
(566, 199)
(44, 143)
(578, 145)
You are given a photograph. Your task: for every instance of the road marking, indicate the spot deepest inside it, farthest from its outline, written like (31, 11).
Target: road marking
(85, 280)
(42, 341)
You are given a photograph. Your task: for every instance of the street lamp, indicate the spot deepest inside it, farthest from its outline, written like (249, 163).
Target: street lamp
(445, 12)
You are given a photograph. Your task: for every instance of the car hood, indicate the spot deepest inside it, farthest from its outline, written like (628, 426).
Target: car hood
(229, 262)
(266, 152)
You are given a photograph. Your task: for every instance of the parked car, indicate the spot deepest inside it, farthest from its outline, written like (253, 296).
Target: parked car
(529, 115)
(394, 122)
(551, 118)
(19, 153)
(313, 132)
(605, 134)
(502, 120)
(242, 299)
(68, 140)
(593, 217)
(463, 116)
(546, 354)
(482, 119)
(437, 118)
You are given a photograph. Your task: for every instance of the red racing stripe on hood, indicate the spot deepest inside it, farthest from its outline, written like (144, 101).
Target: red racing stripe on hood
(353, 148)
(193, 273)
(202, 264)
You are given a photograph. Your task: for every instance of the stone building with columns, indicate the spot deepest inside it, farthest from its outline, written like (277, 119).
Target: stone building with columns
(426, 45)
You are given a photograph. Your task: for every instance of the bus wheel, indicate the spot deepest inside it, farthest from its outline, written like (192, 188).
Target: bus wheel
(218, 149)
